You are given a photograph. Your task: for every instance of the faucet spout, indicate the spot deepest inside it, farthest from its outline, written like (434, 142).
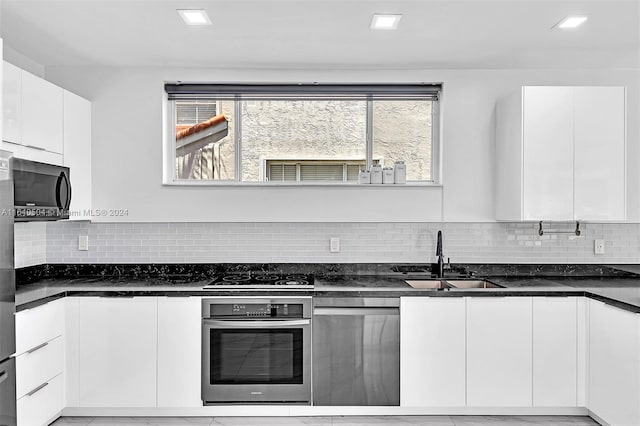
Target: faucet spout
(440, 256)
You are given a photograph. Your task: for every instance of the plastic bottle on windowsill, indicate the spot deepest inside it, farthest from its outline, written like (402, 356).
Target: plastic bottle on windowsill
(400, 172)
(376, 174)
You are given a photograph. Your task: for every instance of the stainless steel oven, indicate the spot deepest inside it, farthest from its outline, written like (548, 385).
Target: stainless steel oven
(256, 350)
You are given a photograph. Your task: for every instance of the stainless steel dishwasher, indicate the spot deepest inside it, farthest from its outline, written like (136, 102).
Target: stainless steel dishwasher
(356, 351)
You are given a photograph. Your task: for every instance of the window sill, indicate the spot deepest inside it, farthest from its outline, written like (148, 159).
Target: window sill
(232, 184)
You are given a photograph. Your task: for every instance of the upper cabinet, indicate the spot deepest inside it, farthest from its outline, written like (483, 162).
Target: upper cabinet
(32, 116)
(46, 123)
(41, 114)
(77, 153)
(11, 103)
(561, 154)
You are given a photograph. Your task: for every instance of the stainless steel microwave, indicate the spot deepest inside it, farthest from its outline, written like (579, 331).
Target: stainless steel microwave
(41, 191)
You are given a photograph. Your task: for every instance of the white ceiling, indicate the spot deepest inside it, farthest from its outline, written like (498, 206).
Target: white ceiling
(324, 34)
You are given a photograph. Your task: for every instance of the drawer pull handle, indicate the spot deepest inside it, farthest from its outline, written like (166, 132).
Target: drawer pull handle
(3, 376)
(36, 147)
(37, 389)
(32, 350)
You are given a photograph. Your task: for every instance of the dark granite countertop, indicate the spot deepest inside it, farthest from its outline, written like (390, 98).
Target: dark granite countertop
(617, 287)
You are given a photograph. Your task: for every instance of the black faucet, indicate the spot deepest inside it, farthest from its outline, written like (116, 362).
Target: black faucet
(440, 256)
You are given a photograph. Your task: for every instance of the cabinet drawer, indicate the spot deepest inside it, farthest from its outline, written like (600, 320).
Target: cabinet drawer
(38, 325)
(36, 367)
(43, 406)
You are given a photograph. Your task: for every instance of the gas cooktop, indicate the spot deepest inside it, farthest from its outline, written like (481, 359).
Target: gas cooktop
(261, 280)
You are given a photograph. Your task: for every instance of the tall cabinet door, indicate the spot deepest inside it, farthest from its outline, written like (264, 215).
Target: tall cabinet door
(179, 351)
(118, 352)
(42, 126)
(11, 103)
(600, 153)
(548, 153)
(614, 371)
(432, 329)
(77, 153)
(499, 352)
(555, 345)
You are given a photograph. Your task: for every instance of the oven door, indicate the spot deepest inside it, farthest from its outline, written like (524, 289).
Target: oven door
(256, 361)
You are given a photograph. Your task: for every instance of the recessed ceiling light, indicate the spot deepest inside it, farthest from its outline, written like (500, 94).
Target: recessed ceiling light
(571, 22)
(194, 16)
(384, 22)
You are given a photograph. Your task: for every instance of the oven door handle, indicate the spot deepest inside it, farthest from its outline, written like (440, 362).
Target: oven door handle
(256, 324)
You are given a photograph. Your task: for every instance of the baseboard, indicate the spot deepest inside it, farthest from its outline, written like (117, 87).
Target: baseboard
(598, 419)
(300, 410)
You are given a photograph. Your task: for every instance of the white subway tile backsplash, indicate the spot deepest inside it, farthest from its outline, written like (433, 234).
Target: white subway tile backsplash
(30, 244)
(56, 242)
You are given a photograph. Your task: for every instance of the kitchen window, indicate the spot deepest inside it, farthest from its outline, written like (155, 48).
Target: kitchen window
(299, 134)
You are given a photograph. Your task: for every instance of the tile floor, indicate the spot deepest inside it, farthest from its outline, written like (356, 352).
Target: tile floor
(330, 421)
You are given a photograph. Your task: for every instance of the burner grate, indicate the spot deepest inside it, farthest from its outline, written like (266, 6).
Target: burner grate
(261, 280)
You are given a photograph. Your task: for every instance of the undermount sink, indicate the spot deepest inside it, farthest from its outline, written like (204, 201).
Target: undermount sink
(448, 284)
(472, 284)
(428, 284)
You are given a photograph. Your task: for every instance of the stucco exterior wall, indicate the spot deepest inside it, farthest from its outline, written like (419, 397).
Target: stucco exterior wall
(322, 130)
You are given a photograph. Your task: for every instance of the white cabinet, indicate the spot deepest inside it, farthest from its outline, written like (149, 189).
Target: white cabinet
(614, 364)
(11, 103)
(179, 351)
(117, 352)
(77, 153)
(43, 122)
(499, 352)
(38, 325)
(555, 346)
(39, 363)
(42, 114)
(43, 406)
(560, 154)
(599, 123)
(432, 352)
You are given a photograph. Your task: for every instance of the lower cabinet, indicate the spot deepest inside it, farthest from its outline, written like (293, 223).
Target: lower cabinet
(179, 351)
(42, 405)
(499, 351)
(145, 352)
(117, 343)
(39, 363)
(492, 352)
(555, 352)
(432, 351)
(614, 364)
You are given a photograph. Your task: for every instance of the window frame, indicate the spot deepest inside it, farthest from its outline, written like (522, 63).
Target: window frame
(231, 93)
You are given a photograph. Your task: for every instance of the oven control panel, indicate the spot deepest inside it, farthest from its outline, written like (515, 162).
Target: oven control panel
(257, 310)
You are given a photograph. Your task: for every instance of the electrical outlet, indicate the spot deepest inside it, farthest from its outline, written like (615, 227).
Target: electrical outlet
(83, 242)
(598, 246)
(334, 244)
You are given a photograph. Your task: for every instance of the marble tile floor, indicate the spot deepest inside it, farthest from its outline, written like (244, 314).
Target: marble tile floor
(331, 420)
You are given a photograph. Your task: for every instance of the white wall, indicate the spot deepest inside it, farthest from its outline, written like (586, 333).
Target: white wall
(127, 148)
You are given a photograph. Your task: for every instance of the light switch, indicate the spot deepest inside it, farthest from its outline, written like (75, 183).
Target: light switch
(83, 242)
(334, 245)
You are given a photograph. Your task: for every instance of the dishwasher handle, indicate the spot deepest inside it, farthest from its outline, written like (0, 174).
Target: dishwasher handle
(356, 311)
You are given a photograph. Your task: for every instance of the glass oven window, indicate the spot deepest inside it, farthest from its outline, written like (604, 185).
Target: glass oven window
(247, 357)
